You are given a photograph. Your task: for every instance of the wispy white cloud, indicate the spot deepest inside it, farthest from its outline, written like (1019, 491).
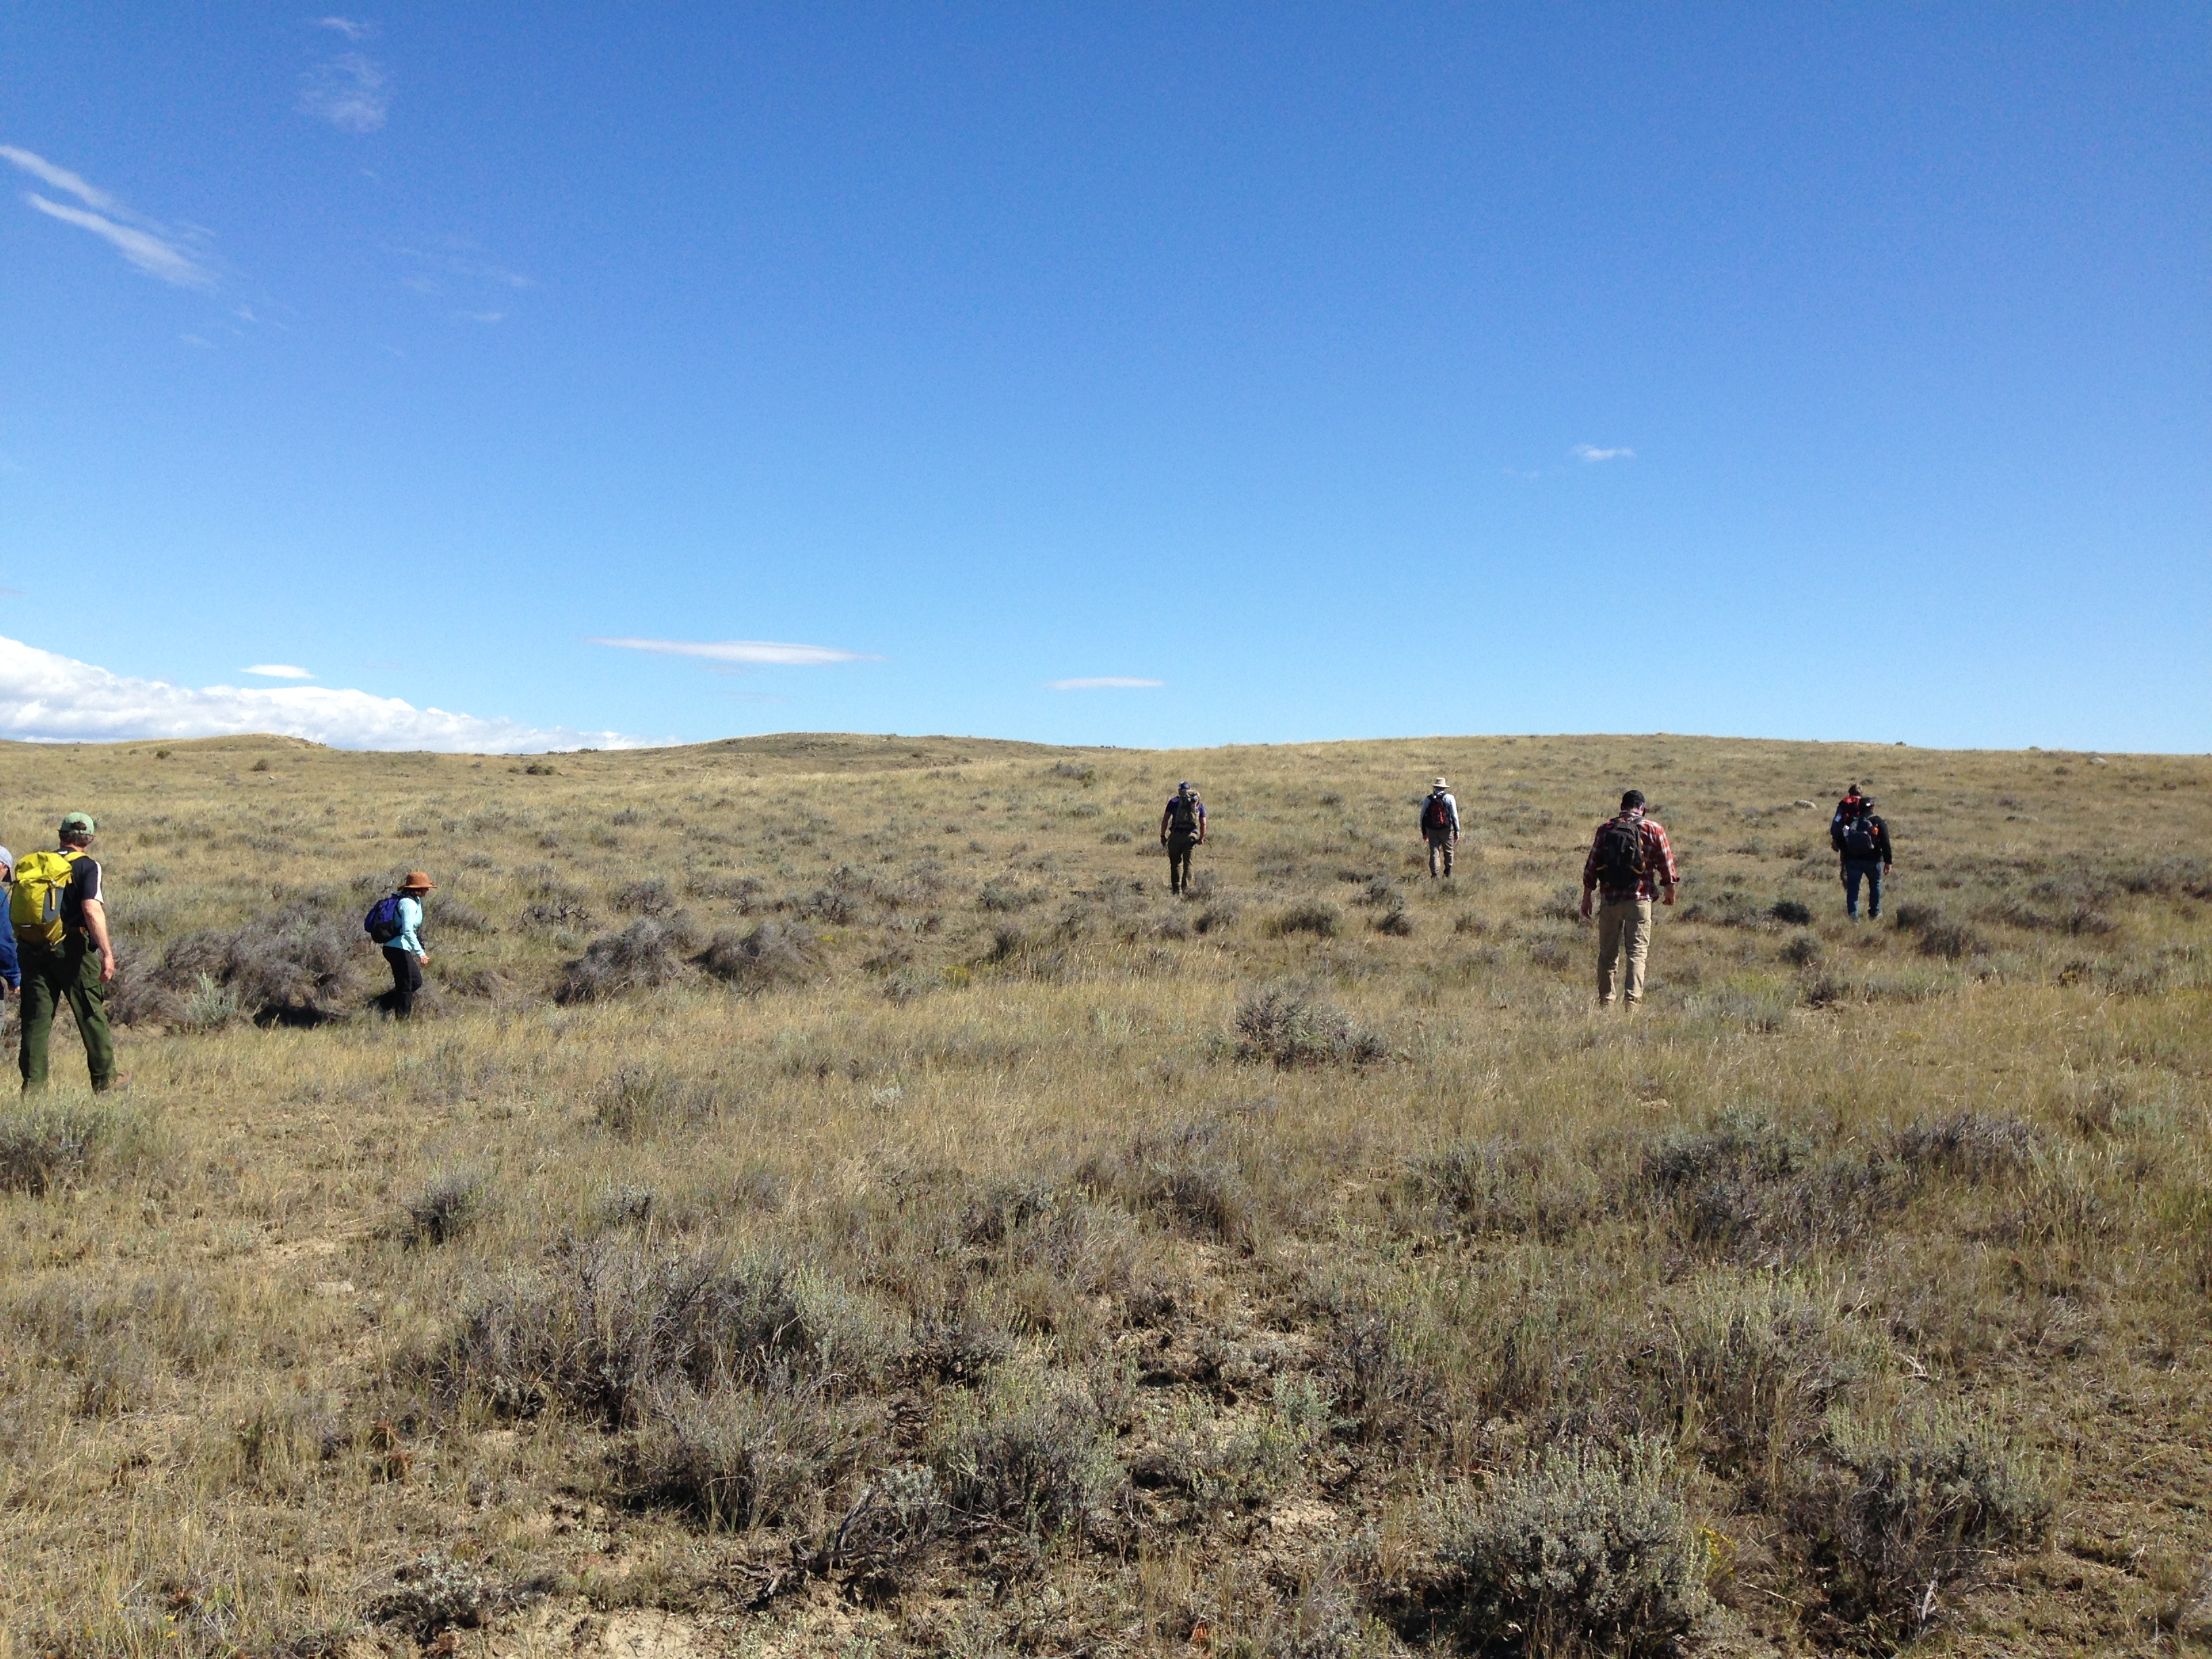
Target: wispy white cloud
(59, 178)
(460, 262)
(765, 652)
(281, 670)
(1105, 682)
(159, 251)
(1592, 453)
(348, 91)
(47, 697)
(352, 28)
(152, 254)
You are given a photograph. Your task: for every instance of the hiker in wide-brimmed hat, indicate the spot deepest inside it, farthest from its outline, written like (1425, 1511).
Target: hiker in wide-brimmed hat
(1440, 827)
(403, 946)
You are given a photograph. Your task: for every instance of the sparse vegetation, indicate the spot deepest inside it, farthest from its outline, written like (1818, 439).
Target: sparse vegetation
(775, 1243)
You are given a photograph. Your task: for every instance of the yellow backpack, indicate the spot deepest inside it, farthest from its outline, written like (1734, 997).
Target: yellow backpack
(35, 907)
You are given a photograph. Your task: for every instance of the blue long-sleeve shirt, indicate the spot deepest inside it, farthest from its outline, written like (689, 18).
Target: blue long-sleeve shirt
(410, 918)
(10, 968)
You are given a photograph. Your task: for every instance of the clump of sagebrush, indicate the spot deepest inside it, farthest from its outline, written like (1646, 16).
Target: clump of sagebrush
(606, 1323)
(1289, 1028)
(642, 1100)
(739, 1457)
(652, 896)
(1497, 1186)
(1747, 1368)
(1906, 1514)
(774, 953)
(1033, 1453)
(299, 964)
(1583, 1550)
(1182, 1174)
(1793, 911)
(48, 1145)
(1971, 1146)
(446, 1208)
(1748, 1182)
(1314, 916)
(649, 952)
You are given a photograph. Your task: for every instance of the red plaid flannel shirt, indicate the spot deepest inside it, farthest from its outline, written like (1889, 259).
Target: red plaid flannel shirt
(1658, 860)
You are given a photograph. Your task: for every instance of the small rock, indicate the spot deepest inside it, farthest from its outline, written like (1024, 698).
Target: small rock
(1801, 803)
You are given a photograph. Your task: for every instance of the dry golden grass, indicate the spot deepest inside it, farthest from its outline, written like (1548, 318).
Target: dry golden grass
(933, 1274)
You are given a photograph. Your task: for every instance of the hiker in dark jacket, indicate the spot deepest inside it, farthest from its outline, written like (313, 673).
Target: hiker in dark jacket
(1863, 840)
(1629, 862)
(1182, 826)
(1440, 826)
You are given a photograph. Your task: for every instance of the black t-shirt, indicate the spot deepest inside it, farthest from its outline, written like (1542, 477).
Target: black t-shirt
(84, 883)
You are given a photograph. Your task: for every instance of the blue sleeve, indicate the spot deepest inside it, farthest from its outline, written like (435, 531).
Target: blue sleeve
(410, 918)
(11, 969)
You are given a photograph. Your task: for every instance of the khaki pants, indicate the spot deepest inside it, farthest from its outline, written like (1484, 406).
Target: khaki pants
(1440, 850)
(1622, 922)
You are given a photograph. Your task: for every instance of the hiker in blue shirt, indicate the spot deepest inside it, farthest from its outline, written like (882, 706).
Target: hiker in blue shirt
(404, 951)
(11, 971)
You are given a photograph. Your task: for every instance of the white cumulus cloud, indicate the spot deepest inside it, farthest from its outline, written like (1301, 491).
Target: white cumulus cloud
(1105, 682)
(154, 249)
(282, 671)
(1592, 453)
(47, 697)
(745, 651)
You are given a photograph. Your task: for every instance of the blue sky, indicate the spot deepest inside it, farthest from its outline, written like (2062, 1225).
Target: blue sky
(1783, 371)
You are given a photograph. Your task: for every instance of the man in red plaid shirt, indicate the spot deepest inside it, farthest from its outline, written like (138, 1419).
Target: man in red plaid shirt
(1629, 864)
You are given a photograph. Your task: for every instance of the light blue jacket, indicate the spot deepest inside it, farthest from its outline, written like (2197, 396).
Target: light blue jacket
(410, 918)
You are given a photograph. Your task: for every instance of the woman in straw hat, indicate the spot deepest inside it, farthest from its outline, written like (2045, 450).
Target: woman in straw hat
(405, 952)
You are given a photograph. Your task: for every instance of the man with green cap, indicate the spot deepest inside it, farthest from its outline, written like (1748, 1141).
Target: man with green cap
(60, 918)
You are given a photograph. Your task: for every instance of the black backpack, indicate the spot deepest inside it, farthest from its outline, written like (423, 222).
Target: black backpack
(1620, 859)
(1435, 820)
(1861, 837)
(1183, 814)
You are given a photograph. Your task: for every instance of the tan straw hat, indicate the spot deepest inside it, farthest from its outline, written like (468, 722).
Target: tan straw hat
(1441, 784)
(416, 882)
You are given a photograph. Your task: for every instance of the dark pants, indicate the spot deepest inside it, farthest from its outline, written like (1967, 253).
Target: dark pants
(406, 980)
(1179, 861)
(70, 974)
(1440, 849)
(1853, 870)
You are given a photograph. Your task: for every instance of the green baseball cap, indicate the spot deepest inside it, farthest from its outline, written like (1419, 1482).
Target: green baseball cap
(77, 823)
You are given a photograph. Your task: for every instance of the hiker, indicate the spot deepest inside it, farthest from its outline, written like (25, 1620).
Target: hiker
(59, 917)
(1629, 862)
(1863, 840)
(1182, 826)
(11, 972)
(395, 922)
(1440, 826)
(1849, 806)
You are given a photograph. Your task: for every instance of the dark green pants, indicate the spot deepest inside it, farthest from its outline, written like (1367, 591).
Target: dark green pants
(50, 978)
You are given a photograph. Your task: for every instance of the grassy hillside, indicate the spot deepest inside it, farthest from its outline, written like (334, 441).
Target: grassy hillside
(833, 1201)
